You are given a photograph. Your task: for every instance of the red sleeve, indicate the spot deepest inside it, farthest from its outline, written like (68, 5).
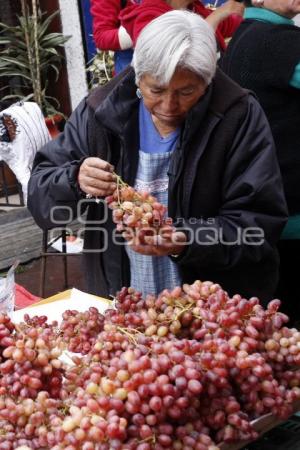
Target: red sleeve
(127, 18)
(106, 23)
(228, 26)
(145, 17)
(141, 21)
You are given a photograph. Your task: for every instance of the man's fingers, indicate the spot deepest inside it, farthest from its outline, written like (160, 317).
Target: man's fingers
(98, 163)
(96, 178)
(130, 237)
(179, 238)
(94, 192)
(99, 174)
(155, 240)
(167, 239)
(100, 184)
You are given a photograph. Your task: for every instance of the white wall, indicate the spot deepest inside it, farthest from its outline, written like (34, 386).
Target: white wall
(74, 50)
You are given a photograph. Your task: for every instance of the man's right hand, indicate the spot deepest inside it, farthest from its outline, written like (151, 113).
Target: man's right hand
(96, 177)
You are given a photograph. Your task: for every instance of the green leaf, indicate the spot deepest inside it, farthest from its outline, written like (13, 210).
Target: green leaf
(28, 97)
(14, 62)
(51, 51)
(53, 39)
(12, 73)
(16, 42)
(56, 71)
(11, 96)
(44, 26)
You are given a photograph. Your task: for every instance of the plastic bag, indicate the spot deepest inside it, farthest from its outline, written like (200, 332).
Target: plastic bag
(8, 290)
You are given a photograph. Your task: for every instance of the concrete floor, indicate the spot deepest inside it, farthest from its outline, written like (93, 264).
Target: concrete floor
(28, 274)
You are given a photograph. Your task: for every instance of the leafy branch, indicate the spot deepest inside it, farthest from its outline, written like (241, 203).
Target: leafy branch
(28, 52)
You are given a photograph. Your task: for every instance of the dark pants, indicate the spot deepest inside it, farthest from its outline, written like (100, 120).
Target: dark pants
(288, 289)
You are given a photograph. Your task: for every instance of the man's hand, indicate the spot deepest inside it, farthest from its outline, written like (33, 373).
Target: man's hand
(167, 241)
(96, 177)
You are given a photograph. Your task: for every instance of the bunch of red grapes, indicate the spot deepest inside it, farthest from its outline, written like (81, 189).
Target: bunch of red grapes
(30, 363)
(137, 212)
(80, 329)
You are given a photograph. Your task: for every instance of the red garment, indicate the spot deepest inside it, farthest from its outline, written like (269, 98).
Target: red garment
(134, 18)
(106, 23)
(24, 298)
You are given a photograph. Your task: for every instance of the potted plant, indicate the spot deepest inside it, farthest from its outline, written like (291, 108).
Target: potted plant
(29, 52)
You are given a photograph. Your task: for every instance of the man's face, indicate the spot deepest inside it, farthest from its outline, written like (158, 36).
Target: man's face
(169, 104)
(287, 8)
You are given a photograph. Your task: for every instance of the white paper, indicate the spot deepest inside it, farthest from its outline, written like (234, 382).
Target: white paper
(78, 300)
(71, 246)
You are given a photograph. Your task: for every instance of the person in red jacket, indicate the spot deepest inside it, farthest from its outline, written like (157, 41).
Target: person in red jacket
(224, 19)
(107, 31)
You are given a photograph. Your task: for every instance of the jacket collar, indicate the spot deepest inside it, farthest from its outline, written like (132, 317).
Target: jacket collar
(267, 15)
(115, 103)
(225, 93)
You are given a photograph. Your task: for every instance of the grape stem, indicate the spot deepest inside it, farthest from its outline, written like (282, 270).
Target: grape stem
(151, 439)
(64, 409)
(129, 333)
(187, 308)
(120, 183)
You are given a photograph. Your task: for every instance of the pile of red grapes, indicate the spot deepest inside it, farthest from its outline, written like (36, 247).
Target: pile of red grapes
(189, 369)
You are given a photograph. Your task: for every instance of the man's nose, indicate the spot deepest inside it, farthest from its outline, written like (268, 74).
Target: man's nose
(169, 103)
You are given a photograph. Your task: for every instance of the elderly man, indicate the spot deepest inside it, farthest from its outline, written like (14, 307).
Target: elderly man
(182, 130)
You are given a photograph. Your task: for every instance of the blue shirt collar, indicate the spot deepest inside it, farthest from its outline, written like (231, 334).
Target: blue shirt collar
(266, 15)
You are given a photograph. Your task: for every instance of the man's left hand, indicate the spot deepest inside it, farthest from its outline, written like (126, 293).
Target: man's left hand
(166, 242)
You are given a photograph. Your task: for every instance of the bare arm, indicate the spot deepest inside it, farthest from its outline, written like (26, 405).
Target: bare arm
(224, 11)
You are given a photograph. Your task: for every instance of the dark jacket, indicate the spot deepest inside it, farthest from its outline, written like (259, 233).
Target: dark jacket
(262, 57)
(224, 182)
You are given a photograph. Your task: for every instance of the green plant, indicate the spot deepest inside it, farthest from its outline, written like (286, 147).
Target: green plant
(100, 68)
(28, 53)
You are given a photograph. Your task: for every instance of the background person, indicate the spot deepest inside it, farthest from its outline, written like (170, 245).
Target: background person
(108, 32)
(264, 56)
(224, 19)
(208, 156)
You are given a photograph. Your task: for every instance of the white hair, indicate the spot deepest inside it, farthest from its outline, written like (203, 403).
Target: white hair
(175, 39)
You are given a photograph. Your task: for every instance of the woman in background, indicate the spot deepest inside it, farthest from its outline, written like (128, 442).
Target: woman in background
(108, 32)
(224, 19)
(264, 56)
